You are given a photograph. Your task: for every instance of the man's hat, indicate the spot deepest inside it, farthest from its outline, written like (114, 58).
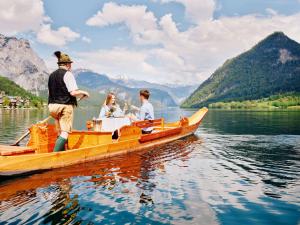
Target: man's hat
(62, 58)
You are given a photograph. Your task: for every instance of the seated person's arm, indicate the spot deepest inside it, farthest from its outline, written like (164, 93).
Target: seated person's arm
(118, 112)
(133, 107)
(102, 113)
(139, 116)
(142, 114)
(125, 109)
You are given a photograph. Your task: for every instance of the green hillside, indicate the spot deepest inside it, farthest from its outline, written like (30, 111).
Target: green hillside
(282, 101)
(12, 89)
(269, 68)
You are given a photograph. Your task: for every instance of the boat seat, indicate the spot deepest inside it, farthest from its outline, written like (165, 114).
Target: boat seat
(15, 150)
(149, 123)
(160, 134)
(165, 128)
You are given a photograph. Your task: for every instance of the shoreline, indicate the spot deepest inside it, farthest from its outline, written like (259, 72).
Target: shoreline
(251, 109)
(292, 108)
(31, 108)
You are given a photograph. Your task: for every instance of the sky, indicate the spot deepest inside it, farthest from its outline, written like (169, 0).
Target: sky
(162, 41)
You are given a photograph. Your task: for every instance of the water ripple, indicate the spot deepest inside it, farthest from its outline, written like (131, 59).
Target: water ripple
(221, 176)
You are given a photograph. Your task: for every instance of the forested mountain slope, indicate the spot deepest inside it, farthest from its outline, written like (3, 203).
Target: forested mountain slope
(270, 67)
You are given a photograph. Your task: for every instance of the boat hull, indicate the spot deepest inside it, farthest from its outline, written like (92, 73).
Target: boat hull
(19, 164)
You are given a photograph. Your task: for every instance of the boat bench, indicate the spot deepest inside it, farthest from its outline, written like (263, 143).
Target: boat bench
(160, 133)
(149, 123)
(15, 150)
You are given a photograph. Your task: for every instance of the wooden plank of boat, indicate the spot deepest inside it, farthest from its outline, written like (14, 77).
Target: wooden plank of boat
(160, 134)
(15, 150)
(89, 145)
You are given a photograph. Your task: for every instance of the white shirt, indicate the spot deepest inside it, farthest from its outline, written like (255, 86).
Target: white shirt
(146, 113)
(105, 109)
(70, 81)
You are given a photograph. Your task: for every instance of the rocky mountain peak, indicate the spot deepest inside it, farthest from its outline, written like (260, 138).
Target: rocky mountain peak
(20, 63)
(275, 41)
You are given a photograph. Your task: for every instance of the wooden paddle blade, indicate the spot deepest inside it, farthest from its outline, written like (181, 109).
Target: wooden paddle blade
(21, 138)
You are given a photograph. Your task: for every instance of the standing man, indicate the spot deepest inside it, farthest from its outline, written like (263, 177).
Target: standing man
(63, 93)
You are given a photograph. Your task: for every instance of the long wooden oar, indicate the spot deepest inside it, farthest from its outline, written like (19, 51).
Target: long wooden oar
(28, 132)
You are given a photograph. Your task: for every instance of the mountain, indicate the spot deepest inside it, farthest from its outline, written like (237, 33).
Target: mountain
(101, 84)
(178, 92)
(12, 89)
(21, 64)
(92, 80)
(270, 67)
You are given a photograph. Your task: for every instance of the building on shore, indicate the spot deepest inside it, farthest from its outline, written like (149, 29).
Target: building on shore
(13, 102)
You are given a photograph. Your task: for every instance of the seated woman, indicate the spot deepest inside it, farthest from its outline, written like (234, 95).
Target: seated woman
(110, 108)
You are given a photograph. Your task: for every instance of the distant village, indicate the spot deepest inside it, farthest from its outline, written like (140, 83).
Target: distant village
(13, 102)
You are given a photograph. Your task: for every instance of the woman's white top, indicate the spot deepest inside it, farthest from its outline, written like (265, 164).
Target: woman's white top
(106, 108)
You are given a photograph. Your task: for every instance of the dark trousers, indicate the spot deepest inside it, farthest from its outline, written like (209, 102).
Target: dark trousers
(115, 135)
(146, 132)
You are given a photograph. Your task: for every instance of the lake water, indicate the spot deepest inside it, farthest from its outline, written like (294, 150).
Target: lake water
(239, 168)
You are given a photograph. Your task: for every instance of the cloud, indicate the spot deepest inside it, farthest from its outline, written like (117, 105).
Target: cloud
(163, 53)
(208, 45)
(155, 65)
(139, 21)
(17, 16)
(86, 39)
(196, 11)
(57, 37)
(21, 16)
(271, 11)
(193, 54)
(116, 61)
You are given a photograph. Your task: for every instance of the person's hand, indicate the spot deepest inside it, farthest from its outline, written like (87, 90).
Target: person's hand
(125, 107)
(85, 94)
(134, 108)
(131, 116)
(80, 94)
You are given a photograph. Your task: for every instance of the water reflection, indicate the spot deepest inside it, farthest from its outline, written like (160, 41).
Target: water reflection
(241, 168)
(125, 185)
(14, 123)
(252, 122)
(64, 208)
(254, 176)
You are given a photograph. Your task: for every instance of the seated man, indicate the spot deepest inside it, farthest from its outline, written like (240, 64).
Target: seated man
(146, 110)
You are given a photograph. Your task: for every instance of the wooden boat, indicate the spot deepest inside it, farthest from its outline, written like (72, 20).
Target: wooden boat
(84, 146)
